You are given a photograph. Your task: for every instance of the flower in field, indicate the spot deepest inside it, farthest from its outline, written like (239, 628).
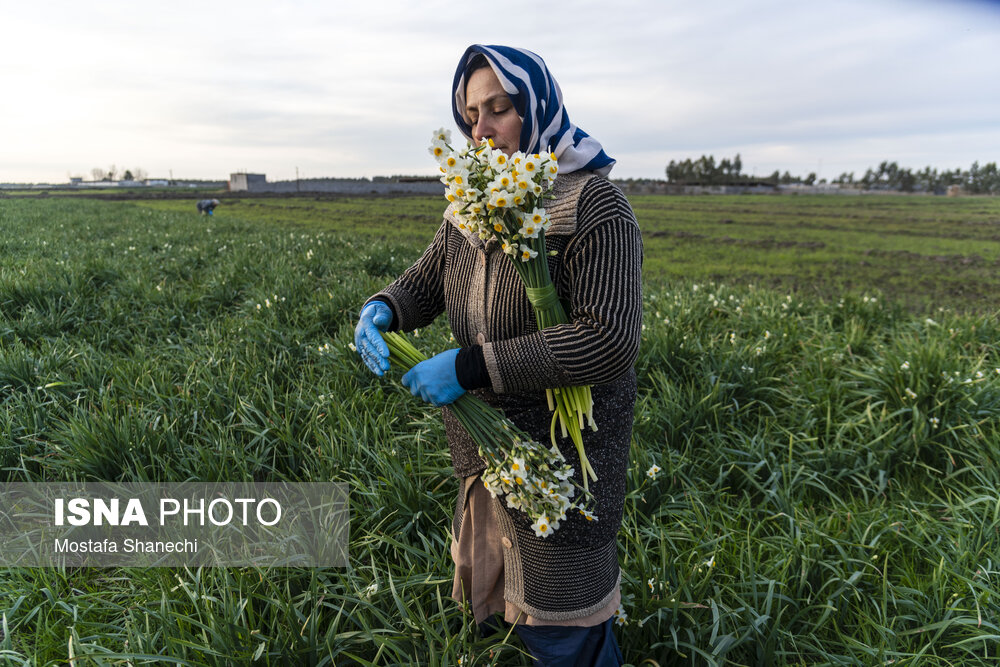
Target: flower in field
(710, 563)
(905, 366)
(371, 589)
(542, 527)
(979, 375)
(653, 469)
(767, 335)
(935, 422)
(652, 580)
(997, 370)
(621, 617)
(732, 338)
(351, 347)
(527, 253)
(910, 393)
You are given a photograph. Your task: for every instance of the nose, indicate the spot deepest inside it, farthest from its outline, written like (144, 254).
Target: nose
(483, 129)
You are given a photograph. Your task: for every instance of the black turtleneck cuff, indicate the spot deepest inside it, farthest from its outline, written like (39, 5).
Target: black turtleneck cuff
(470, 367)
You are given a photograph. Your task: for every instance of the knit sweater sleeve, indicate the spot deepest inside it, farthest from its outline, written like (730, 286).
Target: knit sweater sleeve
(417, 296)
(602, 277)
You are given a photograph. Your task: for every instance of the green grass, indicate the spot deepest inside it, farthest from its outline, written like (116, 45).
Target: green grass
(829, 492)
(924, 252)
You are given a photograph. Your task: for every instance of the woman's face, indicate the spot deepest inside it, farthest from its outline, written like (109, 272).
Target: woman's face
(490, 113)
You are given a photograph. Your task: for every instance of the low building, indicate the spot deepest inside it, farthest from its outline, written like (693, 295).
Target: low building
(243, 182)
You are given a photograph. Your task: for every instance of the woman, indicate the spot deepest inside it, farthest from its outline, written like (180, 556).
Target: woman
(561, 591)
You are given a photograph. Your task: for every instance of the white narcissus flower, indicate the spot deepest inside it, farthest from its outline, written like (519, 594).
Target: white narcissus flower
(527, 253)
(438, 150)
(459, 176)
(509, 248)
(501, 199)
(653, 469)
(542, 527)
(503, 181)
(621, 617)
(530, 165)
(529, 230)
(499, 161)
(442, 134)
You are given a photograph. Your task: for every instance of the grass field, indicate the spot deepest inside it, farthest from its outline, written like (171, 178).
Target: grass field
(924, 252)
(829, 492)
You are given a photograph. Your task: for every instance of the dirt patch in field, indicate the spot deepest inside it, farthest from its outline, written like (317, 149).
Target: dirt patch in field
(951, 260)
(765, 243)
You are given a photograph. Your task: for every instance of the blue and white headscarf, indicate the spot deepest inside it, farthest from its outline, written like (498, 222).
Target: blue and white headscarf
(537, 99)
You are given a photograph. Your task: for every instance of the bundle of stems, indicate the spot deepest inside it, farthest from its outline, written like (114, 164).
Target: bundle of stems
(533, 478)
(571, 406)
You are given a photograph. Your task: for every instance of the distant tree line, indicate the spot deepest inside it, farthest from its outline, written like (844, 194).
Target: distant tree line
(977, 179)
(705, 170)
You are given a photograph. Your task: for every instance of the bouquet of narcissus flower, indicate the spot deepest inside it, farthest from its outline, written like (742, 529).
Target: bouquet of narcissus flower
(499, 196)
(534, 479)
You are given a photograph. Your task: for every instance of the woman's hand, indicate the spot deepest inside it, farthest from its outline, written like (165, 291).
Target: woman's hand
(375, 318)
(435, 379)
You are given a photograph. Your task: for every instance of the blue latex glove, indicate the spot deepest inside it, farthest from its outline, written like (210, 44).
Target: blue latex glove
(435, 380)
(375, 318)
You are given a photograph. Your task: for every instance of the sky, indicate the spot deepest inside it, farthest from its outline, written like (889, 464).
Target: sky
(351, 89)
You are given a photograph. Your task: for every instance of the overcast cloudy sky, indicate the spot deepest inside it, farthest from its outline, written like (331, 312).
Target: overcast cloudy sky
(202, 89)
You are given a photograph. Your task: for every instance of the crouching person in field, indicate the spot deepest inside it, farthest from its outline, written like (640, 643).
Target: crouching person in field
(207, 206)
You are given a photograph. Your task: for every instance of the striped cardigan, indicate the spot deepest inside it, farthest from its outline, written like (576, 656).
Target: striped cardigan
(597, 274)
